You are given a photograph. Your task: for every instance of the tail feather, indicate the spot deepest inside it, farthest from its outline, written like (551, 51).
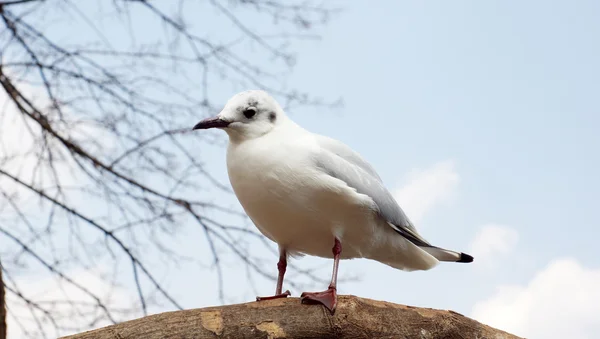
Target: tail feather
(447, 255)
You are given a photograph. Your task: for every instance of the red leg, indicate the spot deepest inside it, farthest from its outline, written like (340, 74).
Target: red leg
(281, 266)
(328, 298)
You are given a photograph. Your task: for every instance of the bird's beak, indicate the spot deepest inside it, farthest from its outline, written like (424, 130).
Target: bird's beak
(214, 122)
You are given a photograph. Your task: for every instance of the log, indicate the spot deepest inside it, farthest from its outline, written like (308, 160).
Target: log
(2, 307)
(288, 318)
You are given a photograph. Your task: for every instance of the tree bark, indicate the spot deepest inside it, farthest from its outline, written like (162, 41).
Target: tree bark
(288, 318)
(2, 306)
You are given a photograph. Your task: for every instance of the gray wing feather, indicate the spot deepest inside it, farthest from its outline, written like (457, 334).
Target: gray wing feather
(342, 150)
(341, 162)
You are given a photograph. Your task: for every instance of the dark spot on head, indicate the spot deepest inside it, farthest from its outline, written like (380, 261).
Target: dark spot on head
(272, 116)
(252, 102)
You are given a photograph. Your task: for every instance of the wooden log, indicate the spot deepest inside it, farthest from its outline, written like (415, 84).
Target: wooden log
(287, 318)
(2, 307)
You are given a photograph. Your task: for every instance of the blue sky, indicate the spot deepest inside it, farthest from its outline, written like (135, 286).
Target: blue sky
(483, 118)
(505, 90)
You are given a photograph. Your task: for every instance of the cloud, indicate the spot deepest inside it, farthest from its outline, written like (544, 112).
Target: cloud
(561, 301)
(493, 241)
(20, 145)
(16, 144)
(70, 307)
(426, 188)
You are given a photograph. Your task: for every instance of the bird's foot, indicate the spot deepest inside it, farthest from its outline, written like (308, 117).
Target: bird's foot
(276, 296)
(327, 298)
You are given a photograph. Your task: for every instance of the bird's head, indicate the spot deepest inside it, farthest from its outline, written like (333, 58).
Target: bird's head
(246, 115)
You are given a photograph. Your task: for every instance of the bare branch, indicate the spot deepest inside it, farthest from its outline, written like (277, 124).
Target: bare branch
(98, 173)
(16, 2)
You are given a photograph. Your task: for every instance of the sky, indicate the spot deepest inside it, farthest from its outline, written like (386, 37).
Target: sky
(483, 119)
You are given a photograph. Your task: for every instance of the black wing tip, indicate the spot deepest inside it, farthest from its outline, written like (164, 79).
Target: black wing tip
(465, 258)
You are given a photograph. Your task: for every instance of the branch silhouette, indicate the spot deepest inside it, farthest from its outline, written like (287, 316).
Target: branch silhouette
(99, 174)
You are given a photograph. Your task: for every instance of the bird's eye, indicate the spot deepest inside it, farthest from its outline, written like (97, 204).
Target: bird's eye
(249, 112)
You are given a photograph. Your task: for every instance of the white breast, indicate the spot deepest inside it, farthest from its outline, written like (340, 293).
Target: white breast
(303, 209)
(293, 203)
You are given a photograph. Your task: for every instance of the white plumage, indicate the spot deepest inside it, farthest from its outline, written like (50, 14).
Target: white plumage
(303, 190)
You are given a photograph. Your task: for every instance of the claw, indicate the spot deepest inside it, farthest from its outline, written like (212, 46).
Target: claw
(276, 296)
(326, 298)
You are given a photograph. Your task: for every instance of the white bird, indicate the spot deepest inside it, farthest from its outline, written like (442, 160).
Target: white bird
(314, 195)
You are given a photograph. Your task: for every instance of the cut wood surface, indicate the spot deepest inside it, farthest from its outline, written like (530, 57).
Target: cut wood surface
(287, 318)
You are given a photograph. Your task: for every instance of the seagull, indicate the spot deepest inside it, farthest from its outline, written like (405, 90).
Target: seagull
(314, 195)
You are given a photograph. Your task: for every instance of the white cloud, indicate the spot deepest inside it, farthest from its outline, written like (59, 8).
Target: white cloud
(15, 144)
(54, 294)
(493, 241)
(561, 301)
(426, 188)
(19, 152)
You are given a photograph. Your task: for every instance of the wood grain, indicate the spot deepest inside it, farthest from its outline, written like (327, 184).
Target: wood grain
(288, 318)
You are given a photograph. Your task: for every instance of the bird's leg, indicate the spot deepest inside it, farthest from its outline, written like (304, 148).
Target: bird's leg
(281, 266)
(328, 297)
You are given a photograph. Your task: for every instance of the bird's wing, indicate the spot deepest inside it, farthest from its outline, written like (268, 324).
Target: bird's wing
(347, 153)
(341, 162)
